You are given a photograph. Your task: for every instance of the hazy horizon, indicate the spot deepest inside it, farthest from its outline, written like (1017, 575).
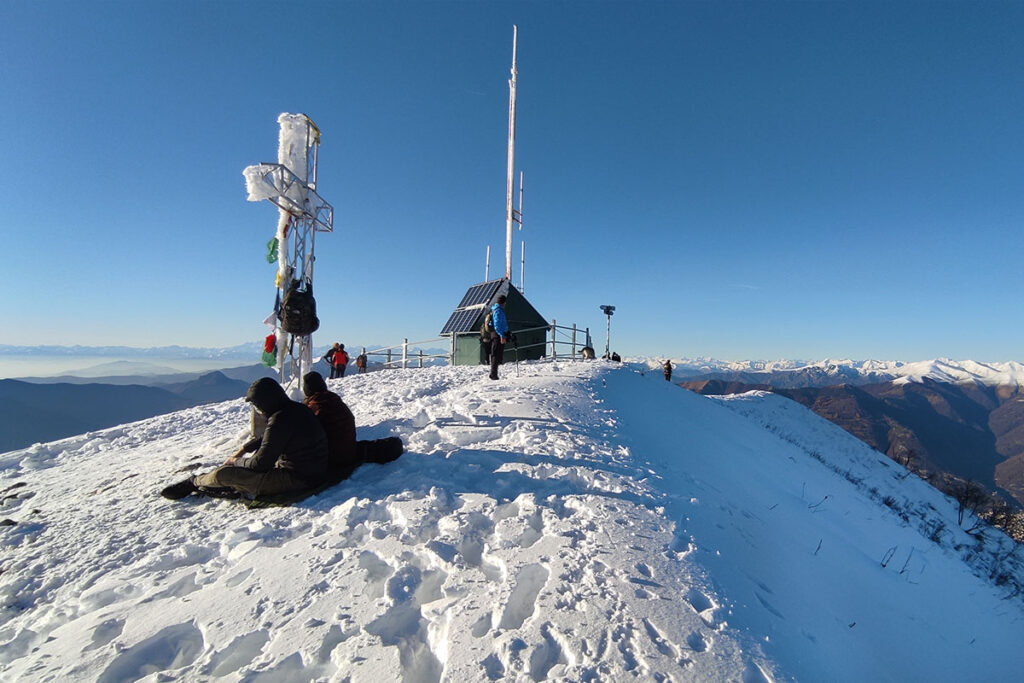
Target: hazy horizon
(19, 367)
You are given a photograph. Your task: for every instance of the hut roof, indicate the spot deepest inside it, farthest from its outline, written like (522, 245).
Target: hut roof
(468, 315)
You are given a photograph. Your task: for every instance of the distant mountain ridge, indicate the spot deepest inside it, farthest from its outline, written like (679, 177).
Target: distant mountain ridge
(247, 373)
(246, 351)
(970, 430)
(35, 413)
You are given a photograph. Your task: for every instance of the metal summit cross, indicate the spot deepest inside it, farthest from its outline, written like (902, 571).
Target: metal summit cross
(290, 185)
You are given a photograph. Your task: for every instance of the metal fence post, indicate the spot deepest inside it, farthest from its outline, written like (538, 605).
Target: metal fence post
(389, 358)
(574, 341)
(451, 358)
(405, 353)
(554, 333)
(421, 358)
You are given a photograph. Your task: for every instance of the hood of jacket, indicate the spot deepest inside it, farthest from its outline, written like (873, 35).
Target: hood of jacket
(313, 383)
(267, 395)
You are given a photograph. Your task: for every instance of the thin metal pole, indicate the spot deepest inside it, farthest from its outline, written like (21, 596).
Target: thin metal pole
(522, 267)
(487, 265)
(522, 270)
(608, 337)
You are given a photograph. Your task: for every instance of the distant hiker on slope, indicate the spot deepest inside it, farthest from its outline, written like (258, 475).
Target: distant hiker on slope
(499, 335)
(290, 456)
(337, 420)
(668, 370)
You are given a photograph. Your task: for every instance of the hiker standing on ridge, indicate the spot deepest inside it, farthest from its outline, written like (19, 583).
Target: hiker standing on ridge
(339, 362)
(329, 357)
(499, 336)
(668, 370)
(290, 456)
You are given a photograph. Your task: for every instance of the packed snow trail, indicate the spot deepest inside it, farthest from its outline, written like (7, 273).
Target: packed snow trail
(580, 521)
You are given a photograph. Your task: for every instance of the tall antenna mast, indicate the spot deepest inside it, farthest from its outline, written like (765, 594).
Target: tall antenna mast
(509, 217)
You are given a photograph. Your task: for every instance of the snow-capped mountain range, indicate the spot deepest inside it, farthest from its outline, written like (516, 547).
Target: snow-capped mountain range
(572, 521)
(859, 371)
(866, 371)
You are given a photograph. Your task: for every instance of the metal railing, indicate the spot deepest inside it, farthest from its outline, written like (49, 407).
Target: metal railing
(574, 344)
(559, 337)
(399, 356)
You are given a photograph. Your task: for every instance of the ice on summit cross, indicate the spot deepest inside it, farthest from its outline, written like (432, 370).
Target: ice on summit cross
(294, 138)
(582, 521)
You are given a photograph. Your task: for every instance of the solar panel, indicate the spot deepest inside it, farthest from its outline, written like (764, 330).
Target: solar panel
(480, 294)
(471, 308)
(463, 320)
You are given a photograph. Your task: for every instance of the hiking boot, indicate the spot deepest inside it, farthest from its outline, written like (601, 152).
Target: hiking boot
(179, 490)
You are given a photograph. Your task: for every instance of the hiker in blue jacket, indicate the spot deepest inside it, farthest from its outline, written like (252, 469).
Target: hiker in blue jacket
(500, 335)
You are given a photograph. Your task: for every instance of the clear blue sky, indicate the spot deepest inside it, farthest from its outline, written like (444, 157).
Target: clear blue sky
(741, 180)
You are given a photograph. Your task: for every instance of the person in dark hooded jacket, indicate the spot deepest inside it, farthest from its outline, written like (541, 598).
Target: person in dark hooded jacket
(336, 419)
(289, 457)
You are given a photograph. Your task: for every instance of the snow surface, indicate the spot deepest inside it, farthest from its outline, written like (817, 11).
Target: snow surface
(573, 521)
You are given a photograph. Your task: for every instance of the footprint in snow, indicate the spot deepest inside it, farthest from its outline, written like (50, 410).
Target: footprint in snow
(174, 647)
(104, 633)
(697, 642)
(404, 627)
(523, 601)
(239, 653)
(377, 573)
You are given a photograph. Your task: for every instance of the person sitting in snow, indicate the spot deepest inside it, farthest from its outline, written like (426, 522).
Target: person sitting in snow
(337, 420)
(291, 456)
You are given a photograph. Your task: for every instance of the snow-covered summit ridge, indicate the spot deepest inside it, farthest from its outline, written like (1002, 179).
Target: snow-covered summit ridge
(573, 521)
(939, 370)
